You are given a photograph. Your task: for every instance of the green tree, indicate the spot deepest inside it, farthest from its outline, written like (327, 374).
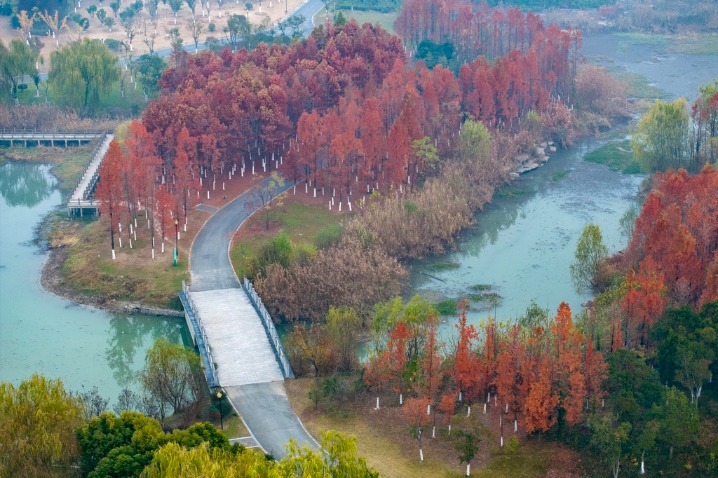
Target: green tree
(661, 139)
(467, 447)
(678, 420)
(238, 27)
(173, 376)
(609, 441)
(149, 68)
(123, 444)
(83, 71)
(474, 141)
(37, 423)
(343, 325)
(16, 62)
(590, 254)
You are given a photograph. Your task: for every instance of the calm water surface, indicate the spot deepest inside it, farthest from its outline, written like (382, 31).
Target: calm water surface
(522, 245)
(43, 333)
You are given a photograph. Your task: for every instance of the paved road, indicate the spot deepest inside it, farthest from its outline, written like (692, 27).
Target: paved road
(263, 406)
(268, 415)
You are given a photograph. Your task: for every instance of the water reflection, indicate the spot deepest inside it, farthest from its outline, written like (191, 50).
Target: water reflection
(128, 333)
(24, 185)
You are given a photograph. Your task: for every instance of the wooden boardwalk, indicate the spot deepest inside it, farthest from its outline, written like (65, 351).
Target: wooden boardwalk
(82, 197)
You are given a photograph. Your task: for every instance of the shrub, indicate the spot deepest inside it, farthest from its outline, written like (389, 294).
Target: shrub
(212, 27)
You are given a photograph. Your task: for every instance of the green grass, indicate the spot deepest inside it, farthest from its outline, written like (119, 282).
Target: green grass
(510, 191)
(626, 40)
(444, 266)
(618, 156)
(525, 462)
(90, 270)
(558, 175)
(638, 86)
(386, 20)
(481, 287)
(446, 307)
(304, 224)
(704, 44)
(694, 44)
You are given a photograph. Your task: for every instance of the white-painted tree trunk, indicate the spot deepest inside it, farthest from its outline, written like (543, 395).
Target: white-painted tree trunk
(428, 409)
(433, 431)
(113, 255)
(484, 409)
(153, 253)
(401, 399)
(377, 404)
(502, 441)
(468, 469)
(643, 463)
(516, 425)
(468, 411)
(421, 455)
(163, 247)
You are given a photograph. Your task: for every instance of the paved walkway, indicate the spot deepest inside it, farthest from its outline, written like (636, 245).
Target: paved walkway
(246, 365)
(237, 337)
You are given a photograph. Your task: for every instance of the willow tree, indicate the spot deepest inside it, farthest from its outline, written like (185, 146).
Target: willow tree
(661, 140)
(83, 71)
(590, 254)
(17, 60)
(38, 419)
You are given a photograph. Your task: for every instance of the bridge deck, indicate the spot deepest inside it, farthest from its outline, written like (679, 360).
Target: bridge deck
(236, 337)
(78, 198)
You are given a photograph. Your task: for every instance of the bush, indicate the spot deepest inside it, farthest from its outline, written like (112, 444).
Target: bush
(212, 27)
(114, 45)
(249, 5)
(5, 9)
(328, 236)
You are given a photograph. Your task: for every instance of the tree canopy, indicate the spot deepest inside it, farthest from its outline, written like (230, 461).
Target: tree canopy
(82, 72)
(37, 423)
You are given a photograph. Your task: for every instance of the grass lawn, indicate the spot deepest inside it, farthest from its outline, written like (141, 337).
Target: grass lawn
(305, 222)
(133, 276)
(618, 156)
(384, 439)
(386, 20)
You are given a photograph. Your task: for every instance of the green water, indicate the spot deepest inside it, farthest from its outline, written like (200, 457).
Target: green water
(524, 241)
(43, 333)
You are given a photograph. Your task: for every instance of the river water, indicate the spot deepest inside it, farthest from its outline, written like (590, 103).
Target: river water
(522, 246)
(43, 333)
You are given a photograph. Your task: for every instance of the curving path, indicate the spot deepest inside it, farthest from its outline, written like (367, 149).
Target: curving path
(263, 406)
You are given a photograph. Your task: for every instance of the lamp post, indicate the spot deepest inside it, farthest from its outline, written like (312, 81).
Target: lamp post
(176, 254)
(221, 420)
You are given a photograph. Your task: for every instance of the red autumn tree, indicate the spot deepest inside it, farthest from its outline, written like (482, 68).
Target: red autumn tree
(109, 189)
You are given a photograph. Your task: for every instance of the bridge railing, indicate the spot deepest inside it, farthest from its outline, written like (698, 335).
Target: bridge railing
(200, 337)
(46, 133)
(95, 175)
(269, 327)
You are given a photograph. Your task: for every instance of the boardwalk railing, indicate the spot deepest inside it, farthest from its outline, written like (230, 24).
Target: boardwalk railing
(91, 185)
(199, 336)
(40, 133)
(269, 327)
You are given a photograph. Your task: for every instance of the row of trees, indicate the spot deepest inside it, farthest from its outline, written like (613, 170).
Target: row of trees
(541, 371)
(281, 95)
(46, 434)
(478, 30)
